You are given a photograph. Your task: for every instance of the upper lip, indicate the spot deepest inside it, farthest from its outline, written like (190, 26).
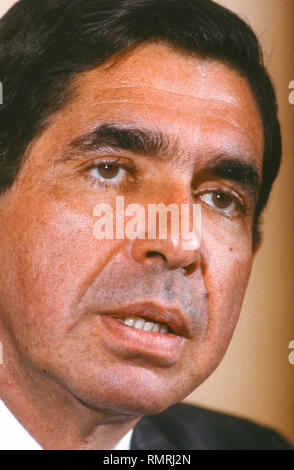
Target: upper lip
(173, 317)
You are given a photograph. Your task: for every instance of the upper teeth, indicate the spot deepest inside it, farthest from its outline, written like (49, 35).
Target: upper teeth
(142, 324)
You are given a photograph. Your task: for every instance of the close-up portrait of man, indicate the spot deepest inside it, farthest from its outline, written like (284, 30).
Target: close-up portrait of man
(111, 108)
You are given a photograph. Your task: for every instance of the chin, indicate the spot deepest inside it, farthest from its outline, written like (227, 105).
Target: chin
(137, 393)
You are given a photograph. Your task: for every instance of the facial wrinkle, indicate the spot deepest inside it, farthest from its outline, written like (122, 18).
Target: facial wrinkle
(171, 289)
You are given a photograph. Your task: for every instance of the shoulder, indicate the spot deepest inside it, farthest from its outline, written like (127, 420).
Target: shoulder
(190, 427)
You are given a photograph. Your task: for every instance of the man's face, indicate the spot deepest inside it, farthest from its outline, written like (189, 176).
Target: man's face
(62, 290)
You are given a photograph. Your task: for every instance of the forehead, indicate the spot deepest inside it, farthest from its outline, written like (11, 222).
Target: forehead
(193, 99)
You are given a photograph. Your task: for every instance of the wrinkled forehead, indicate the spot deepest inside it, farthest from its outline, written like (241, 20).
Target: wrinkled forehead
(156, 85)
(165, 68)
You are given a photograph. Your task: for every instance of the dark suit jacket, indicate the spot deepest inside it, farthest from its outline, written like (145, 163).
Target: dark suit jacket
(187, 427)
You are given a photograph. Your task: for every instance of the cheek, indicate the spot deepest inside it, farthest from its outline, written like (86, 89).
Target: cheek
(227, 265)
(56, 257)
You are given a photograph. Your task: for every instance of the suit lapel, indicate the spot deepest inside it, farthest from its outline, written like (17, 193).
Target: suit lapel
(148, 436)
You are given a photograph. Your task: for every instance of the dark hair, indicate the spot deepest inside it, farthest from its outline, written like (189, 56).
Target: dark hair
(44, 44)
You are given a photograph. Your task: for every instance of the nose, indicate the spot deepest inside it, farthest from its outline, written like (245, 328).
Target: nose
(167, 252)
(174, 252)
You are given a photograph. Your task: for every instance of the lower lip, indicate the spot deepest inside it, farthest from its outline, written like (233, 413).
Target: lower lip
(167, 348)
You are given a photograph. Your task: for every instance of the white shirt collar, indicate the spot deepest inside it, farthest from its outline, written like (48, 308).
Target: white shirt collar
(125, 442)
(13, 436)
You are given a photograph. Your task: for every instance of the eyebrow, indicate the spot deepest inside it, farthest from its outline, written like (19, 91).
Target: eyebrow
(153, 142)
(243, 173)
(125, 137)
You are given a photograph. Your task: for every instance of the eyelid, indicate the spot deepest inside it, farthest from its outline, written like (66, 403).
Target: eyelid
(243, 205)
(219, 189)
(121, 162)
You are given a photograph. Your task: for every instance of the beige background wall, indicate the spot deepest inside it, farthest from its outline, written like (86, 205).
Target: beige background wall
(256, 379)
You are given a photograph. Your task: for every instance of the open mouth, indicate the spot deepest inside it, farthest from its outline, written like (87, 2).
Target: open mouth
(146, 324)
(146, 330)
(151, 318)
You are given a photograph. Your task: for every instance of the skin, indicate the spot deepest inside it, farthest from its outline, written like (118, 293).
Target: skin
(66, 376)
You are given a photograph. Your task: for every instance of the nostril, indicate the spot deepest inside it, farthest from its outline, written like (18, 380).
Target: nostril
(152, 254)
(190, 268)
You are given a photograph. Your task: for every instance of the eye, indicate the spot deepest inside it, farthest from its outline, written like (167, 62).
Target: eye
(108, 171)
(223, 201)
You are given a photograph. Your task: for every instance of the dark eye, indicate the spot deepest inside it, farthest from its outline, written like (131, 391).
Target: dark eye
(222, 201)
(106, 171)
